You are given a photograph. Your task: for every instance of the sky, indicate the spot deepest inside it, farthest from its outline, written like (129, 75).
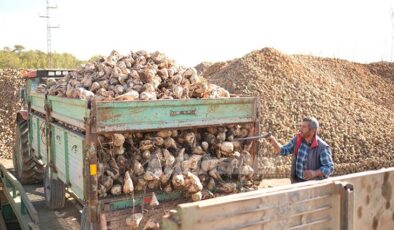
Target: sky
(192, 31)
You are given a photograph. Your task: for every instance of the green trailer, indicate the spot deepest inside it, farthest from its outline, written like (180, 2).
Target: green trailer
(47, 149)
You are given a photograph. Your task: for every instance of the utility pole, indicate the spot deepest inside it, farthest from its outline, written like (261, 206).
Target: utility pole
(47, 16)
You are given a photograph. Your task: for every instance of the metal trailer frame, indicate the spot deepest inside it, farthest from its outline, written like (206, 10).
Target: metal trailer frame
(16, 196)
(72, 156)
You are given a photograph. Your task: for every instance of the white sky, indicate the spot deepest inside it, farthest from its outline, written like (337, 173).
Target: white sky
(192, 31)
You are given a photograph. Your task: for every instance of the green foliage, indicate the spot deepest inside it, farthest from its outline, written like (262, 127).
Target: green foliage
(18, 48)
(95, 58)
(9, 60)
(35, 59)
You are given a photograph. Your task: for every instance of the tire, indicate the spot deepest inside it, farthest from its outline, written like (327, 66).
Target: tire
(27, 170)
(85, 224)
(54, 190)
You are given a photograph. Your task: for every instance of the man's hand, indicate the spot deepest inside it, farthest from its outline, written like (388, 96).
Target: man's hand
(310, 174)
(272, 140)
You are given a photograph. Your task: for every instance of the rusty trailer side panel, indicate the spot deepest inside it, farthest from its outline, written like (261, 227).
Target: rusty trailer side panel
(37, 102)
(118, 116)
(67, 156)
(178, 114)
(37, 137)
(71, 111)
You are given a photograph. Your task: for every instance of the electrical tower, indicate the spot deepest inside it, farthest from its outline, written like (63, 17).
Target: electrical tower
(47, 16)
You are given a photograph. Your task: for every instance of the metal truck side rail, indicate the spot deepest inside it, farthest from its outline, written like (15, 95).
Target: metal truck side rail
(355, 201)
(120, 116)
(17, 198)
(171, 114)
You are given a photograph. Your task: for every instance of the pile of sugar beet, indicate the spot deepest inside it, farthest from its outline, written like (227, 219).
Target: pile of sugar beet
(136, 76)
(10, 82)
(352, 101)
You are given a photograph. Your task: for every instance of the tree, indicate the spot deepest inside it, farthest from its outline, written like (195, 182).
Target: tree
(8, 60)
(35, 59)
(18, 48)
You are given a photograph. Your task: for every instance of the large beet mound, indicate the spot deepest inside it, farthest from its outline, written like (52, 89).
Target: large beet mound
(353, 102)
(10, 82)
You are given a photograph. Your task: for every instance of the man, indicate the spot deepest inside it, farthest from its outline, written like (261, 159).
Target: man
(311, 155)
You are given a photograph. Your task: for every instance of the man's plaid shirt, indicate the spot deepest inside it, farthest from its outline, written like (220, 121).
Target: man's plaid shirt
(327, 165)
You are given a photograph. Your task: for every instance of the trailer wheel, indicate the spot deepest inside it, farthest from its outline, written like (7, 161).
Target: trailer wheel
(54, 190)
(27, 170)
(85, 224)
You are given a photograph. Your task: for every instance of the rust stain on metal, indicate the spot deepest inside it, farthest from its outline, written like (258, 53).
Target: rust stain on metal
(363, 183)
(369, 188)
(375, 223)
(212, 108)
(107, 114)
(360, 212)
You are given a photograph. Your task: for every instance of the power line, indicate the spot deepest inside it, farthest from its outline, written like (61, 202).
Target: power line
(47, 16)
